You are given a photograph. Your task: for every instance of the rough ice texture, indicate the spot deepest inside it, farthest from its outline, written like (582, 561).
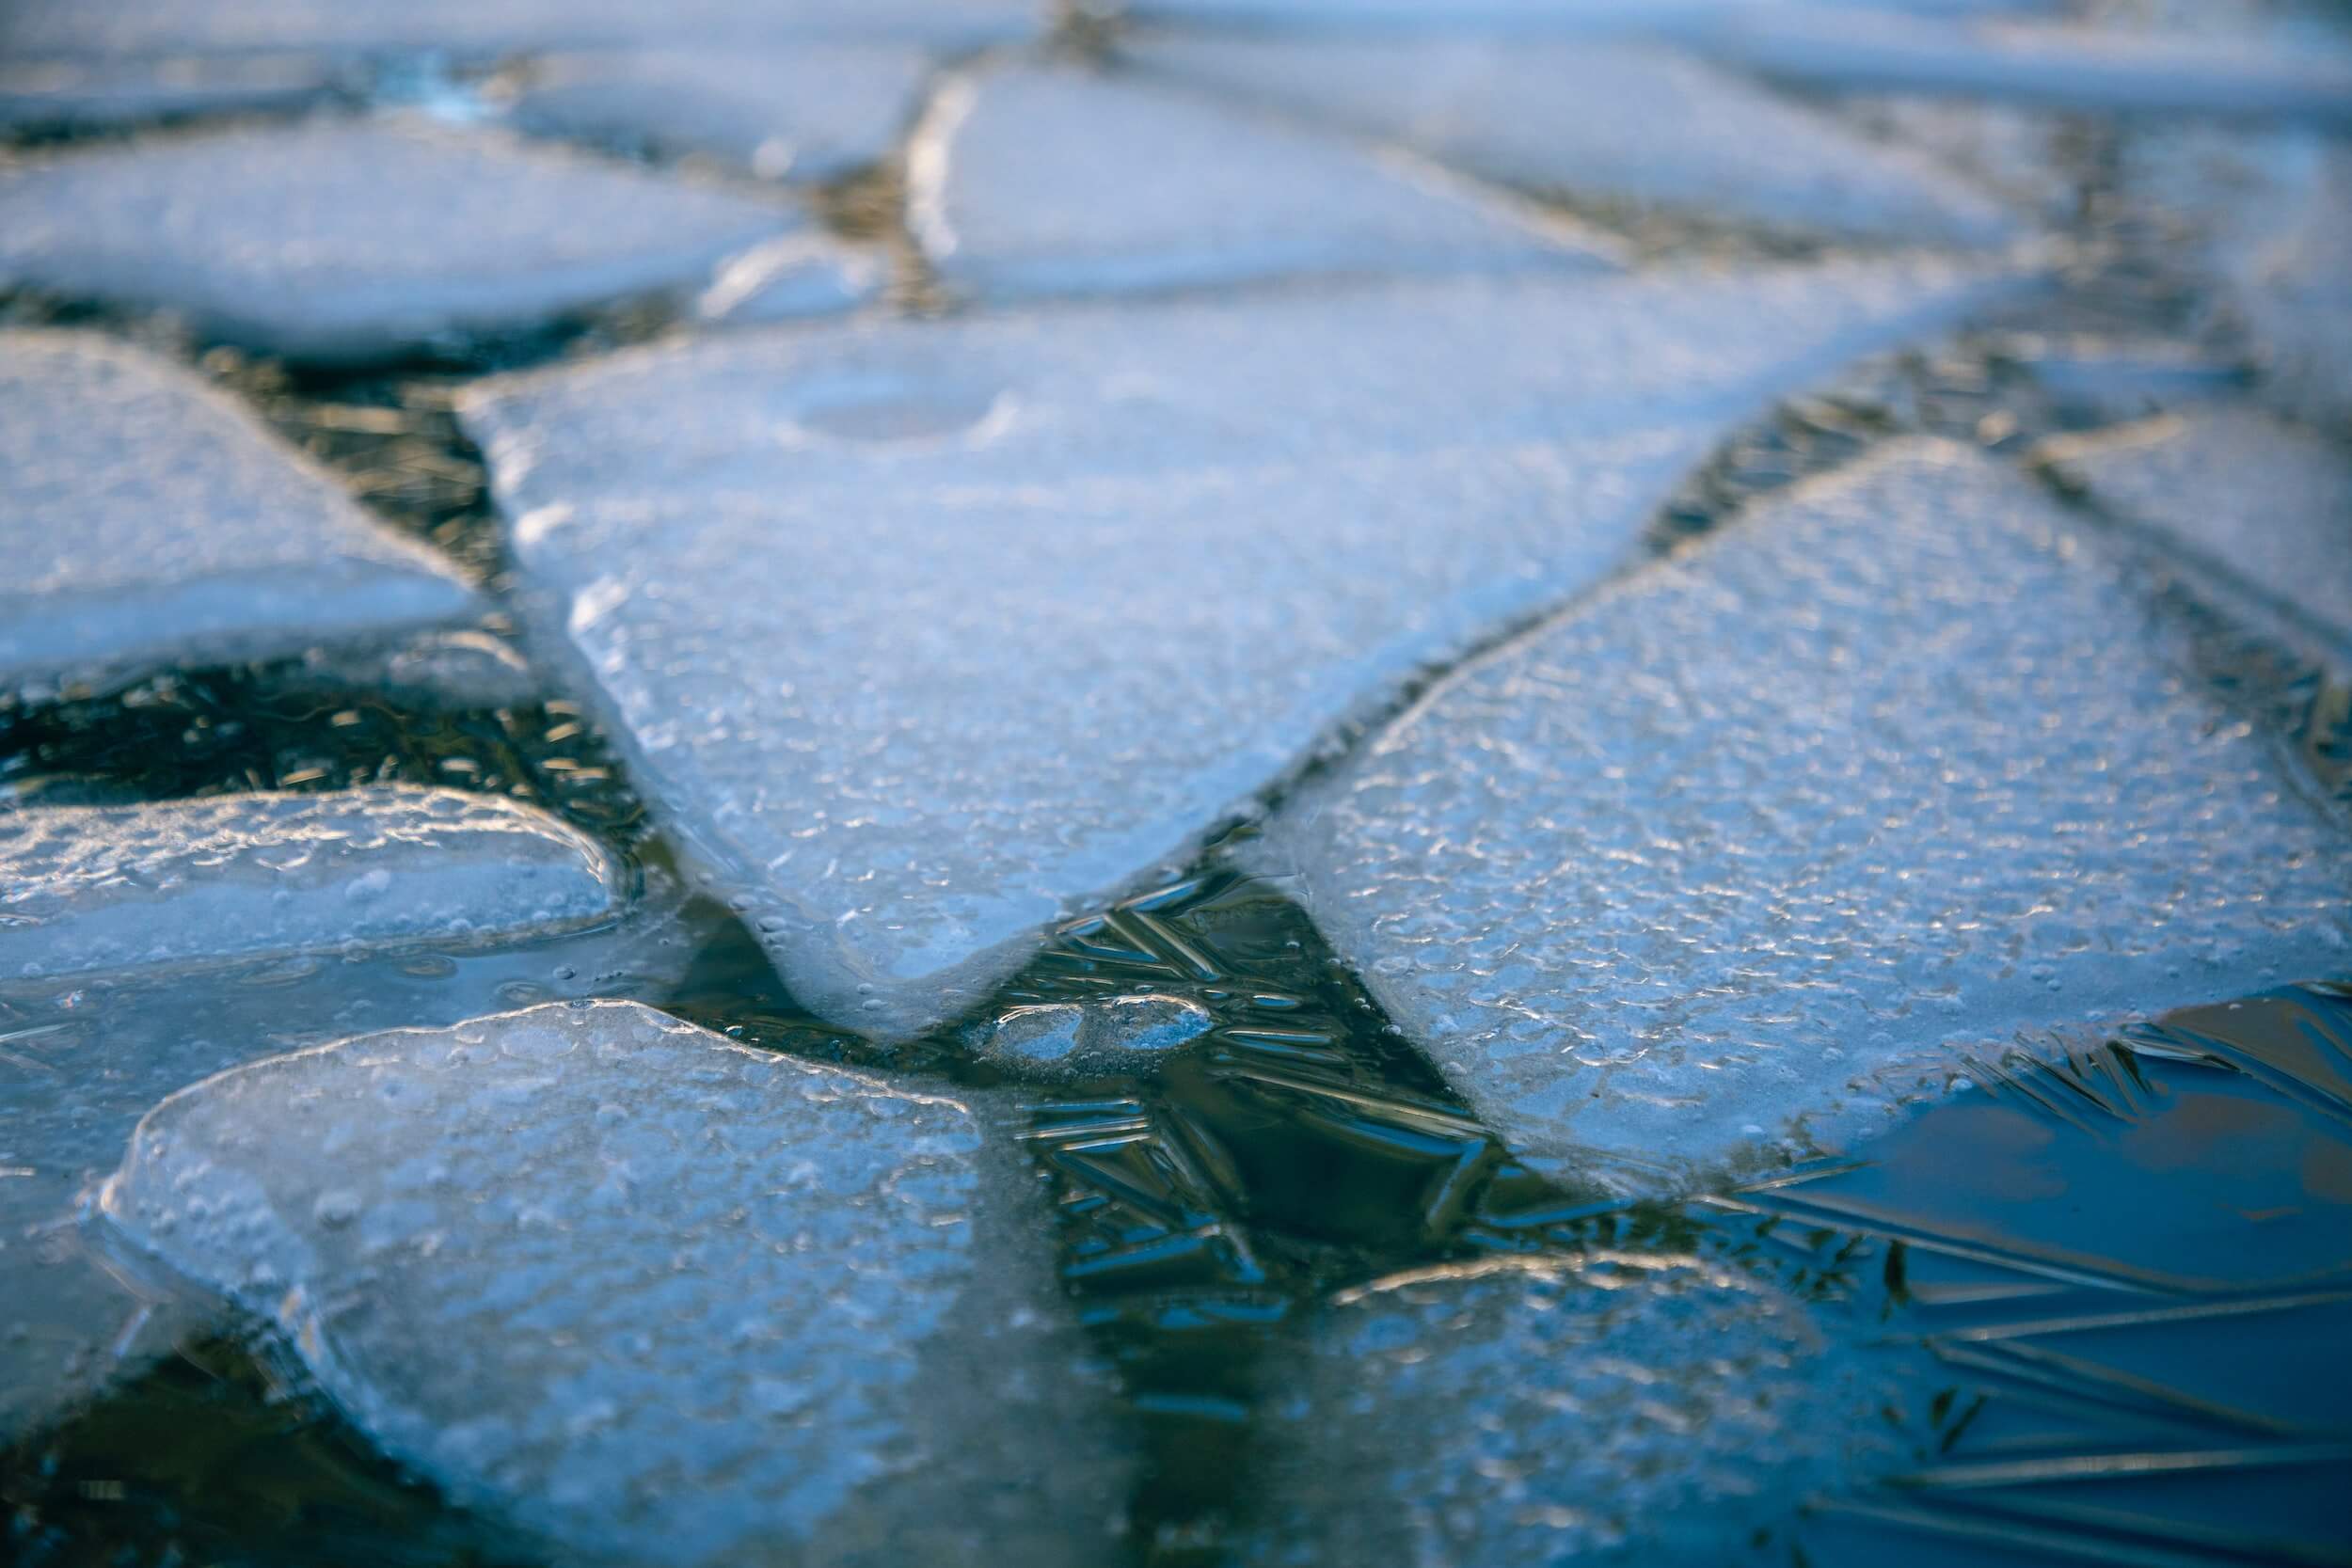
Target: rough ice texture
(356, 241)
(2271, 501)
(82, 1059)
(814, 112)
(2065, 67)
(1609, 123)
(648, 1293)
(1526, 18)
(922, 635)
(150, 519)
(482, 29)
(2289, 268)
(81, 95)
(1026, 183)
(1107, 1035)
(1900, 764)
(1622, 1408)
(246, 876)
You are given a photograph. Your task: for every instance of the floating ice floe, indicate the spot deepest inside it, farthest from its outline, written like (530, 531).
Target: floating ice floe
(1625, 1408)
(2091, 68)
(81, 95)
(150, 519)
(358, 241)
(922, 636)
(86, 1053)
(1900, 764)
(1516, 18)
(2288, 267)
(248, 876)
(809, 113)
(648, 1293)
(1026, 182)
(481, 30)
(2269, 500)
(1609, 123)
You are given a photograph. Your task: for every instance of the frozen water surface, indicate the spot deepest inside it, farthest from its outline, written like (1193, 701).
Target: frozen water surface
(2110, 69)
(2270, 500)
(1899, 764)
(246, 876)
(1027, 185)
(1600, 122)
(1638, 1407)
(805, 112)
(651, 1294)
(82, 1059)
(922, 633)
(1108, 1035)
(480, 28)
(151, 519)
(263, 237)
(78, 95)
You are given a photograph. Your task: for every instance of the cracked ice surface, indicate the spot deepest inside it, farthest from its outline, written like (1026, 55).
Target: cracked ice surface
(1641, 1407)
(2270, 500)
(812, 112)
(1027, 185)
(82, 1059)
(922, 634)
(149, 519)
(1629, 123)
(1900, 762)
(648, 1293)
(247, 876)
(263, 237)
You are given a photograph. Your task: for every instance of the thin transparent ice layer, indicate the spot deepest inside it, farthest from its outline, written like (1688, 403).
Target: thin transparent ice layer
(1620, 1407)
(363, 240)
(1601, 121)
(249, 875)
(653, 1295)
(1110, 1033)
(1900, 764)
(923, 634)
(1840, 49)
(150, 519)
(483, 29)
(807, 113)
(1067, 182)
(82, 1059)
(2272, 501)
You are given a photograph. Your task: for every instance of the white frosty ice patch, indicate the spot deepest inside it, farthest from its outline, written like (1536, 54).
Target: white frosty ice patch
(1028, 184)
(2269, 501)
(922, 635)
(653, 1295)
(1607, 123)
(149, 519)
(358, 241)
(808, 112)
(248, 876)
(1900, 762)
(1627, 1408)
